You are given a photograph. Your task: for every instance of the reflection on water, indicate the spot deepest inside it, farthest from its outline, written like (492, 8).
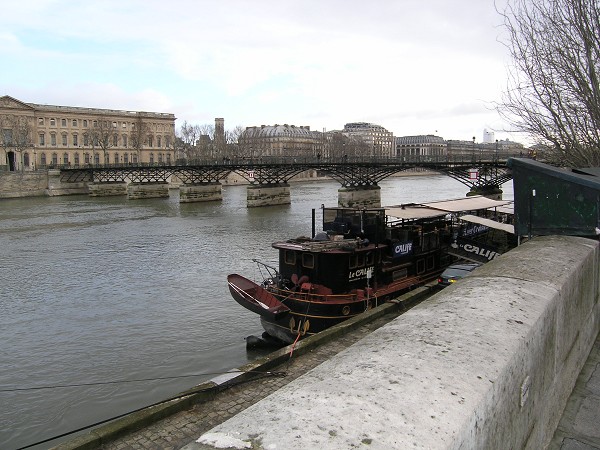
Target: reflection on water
(105, 289)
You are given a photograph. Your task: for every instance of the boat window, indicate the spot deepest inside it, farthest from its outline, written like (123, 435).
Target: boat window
(370, 259)
(290, 257)
(308, 260)
(360, 260)
(420, 266)
(399, 274)
(430, 263)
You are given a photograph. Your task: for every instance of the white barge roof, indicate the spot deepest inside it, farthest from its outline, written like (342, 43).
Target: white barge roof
(443, 207)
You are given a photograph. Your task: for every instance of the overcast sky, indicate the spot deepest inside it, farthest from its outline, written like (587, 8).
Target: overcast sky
(412, 66)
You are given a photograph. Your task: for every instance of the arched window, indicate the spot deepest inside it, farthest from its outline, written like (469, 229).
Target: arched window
(126, 158)
(116, 158)
(125, 140)
(76, 159)
(151, 158)
(160, 158)
(43, 159)
(25, 159)
(66, 159)
(97, 158)
(54, 159)
(134, 157)
(107, 159)
(169, 159)
(86, 158)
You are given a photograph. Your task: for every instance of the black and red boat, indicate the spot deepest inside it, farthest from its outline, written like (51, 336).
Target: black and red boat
(362, 258)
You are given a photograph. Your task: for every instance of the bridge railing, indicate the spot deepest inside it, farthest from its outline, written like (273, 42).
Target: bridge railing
(299, 159)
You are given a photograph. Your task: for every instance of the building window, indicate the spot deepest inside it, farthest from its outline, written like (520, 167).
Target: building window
(75, 140)
(63, 122)
(150, 141)
(158, 141)
(115, 140)
(126, 158)
(86, 158)
(41, 121)
(64, 140)
(125, 140)
(168, 158)
(53, 139)
(42, 139)
(134, 158)
(25, 159)
(74, 122)
(86, 140)
(116, 158)
(85, 123)
(97, 158)
(151, 158)
(43, 159)
(65, 159)
(160, 158)
(54, 159)
(114, 124)
(52, 122)
(107, 159)
(76, 159)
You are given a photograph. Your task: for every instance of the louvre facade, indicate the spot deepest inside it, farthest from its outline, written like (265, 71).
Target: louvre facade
(44, 136)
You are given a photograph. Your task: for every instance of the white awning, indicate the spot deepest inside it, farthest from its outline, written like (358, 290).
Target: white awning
(489, 223)
(408, 212)
(467, 204)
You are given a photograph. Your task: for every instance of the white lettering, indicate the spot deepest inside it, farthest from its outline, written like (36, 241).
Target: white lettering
(361, 273)
(480, 251)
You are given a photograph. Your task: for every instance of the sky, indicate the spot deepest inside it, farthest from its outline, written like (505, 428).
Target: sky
(412, 66)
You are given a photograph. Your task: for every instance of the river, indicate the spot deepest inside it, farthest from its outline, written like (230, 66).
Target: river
(109, 290)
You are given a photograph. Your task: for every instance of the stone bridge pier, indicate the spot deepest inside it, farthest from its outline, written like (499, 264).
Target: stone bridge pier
(359, 197)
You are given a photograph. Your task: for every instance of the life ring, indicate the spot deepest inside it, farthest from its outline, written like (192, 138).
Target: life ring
(346, 310)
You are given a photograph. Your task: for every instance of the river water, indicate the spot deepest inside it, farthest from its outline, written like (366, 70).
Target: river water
(109, 290)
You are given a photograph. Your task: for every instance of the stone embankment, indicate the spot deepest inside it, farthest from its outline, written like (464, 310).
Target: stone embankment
(489, 362)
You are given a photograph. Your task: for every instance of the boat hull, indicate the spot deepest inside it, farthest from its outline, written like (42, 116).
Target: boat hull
(255, 298)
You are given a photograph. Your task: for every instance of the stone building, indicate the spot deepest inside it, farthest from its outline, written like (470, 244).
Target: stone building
(423, 146)
(280, 141)
(378, 140)
(42, 136)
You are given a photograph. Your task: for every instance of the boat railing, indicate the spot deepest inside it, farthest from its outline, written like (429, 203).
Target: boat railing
(284, 294)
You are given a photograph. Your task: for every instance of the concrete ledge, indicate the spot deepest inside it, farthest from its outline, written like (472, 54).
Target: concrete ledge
(487, 363)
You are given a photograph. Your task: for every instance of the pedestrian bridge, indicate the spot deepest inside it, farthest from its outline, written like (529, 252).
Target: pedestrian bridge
(268, 177)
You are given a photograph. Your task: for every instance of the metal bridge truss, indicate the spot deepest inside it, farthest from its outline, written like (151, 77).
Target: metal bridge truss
(490, 174)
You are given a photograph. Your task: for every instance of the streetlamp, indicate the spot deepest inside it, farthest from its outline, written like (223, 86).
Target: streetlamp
(473, 155)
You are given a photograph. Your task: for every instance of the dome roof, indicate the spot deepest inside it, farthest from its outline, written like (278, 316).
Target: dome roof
(277, 131)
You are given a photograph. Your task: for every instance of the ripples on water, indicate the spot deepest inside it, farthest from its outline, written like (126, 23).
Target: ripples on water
(107, 289)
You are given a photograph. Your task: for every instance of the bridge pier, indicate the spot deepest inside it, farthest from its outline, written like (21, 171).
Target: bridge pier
(109, 189)
(359, 197)
(200, 192)
(136, 191)
(491, 192)
(268, 194)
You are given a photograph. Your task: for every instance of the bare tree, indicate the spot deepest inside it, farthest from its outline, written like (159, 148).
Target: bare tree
(104, 135)
(232, 138)
(553, 92)
(188, 136)
(139, 135)
(16, 135)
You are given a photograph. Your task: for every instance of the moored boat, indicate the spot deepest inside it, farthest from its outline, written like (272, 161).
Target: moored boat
(362, 258)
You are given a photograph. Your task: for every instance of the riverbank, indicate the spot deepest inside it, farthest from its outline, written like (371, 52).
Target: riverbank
(47, 183)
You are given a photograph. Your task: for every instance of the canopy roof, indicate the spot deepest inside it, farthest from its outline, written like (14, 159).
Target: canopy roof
(441, 208)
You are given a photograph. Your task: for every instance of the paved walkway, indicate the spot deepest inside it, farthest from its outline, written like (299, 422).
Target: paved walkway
(579, 427)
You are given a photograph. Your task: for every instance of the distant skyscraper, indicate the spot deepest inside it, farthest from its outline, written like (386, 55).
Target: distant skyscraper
(488, 137)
